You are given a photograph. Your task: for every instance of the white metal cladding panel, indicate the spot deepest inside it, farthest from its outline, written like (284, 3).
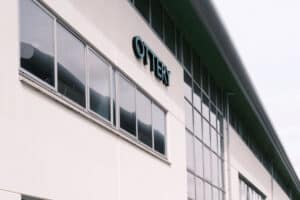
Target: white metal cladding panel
(4, 195)
(243, 161)
(50, 151)
(279, 194)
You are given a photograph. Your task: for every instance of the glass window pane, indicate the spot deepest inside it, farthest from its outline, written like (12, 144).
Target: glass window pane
(191, 186)
(187, 55)
(71, 69)
(197, 97)
(205, 79)
(169, 33)
(220, 166)
(188, 86)
(213, 116)
(205, 107)
(215, 194)
(207, 164)
(190, 151)
(157, 17)
(188, 116)
(143, 8)
(208, 192)
(206, 133)
(197, 124)
(126, 98)
(214, 140)
(196, 68)
(143, 110)
(219, 144)
(199, 158)
(99, 85)
(219, 123)
(159, 128)
(213, 93)
(199, 189)
(215, 170)
(37, 41)
(178, 46)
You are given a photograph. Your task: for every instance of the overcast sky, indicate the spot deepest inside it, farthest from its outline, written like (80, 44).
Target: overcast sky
(267, 36)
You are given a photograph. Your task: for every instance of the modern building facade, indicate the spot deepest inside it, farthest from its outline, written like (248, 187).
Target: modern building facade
(139, 99)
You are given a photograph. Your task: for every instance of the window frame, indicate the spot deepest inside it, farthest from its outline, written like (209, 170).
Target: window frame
(52, 91)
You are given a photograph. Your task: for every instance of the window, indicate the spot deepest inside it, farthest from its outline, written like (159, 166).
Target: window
(197, 124)
(208, 192)
(188, 86)
(169, 33)
(37, 42)
(199, 189)
(248, 191)
(144, 119)
(198, 158)
(197, 97)
(178, 46)
(205, 107)
(157, 17)
(207, 164)
(206, 134)
(188, 115)
(80, 76)
(187, 55)
(126, 99)
(196, 68)
(71, 66)
(29, 198)
(159, 121)
(190, 151)
(99, 85)
(191, 186)
(143, 8)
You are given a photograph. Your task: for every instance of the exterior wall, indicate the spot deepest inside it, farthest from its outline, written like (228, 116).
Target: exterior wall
(5, 195)
(243, 161)
(52, 152)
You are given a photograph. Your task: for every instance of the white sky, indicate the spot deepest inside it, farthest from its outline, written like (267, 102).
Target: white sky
(267, 36)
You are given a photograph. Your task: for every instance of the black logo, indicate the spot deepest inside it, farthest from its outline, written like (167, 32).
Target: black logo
(143, 52)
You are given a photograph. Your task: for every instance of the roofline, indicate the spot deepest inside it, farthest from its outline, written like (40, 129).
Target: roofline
(209, 16)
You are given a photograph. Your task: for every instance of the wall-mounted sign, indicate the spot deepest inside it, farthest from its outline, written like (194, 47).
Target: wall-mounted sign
(143, 52)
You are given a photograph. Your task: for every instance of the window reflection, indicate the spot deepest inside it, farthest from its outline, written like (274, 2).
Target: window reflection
(190, 151)
(71, 70)
(191, 186)
(199, 189)
(207, 164)
(99, 85)
(37, 41)
(199, 158)
(197, 124)
(159, 121)
(144, 118)
(126, 99)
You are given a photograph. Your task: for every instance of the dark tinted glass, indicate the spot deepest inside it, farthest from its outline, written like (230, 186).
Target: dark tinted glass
(196, 69)
(187, 55)
(143, 110)
(126, 99)
(37, 41)
(99, 85)
(178, 45)
(157, 17)
(197, 97)
(71, 70)
(205, 107)
(169, 33)
(158, 123)
(205, 79)
(143, 7)
(187, 86)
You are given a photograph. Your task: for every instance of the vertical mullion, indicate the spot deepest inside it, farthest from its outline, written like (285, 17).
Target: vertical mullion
(136, 113)
(117, 78)
(152, 130)
(111, 93)
(55, 56)
(87, 79)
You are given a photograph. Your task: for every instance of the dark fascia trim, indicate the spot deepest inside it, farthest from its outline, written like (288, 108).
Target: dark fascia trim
(208, 15)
